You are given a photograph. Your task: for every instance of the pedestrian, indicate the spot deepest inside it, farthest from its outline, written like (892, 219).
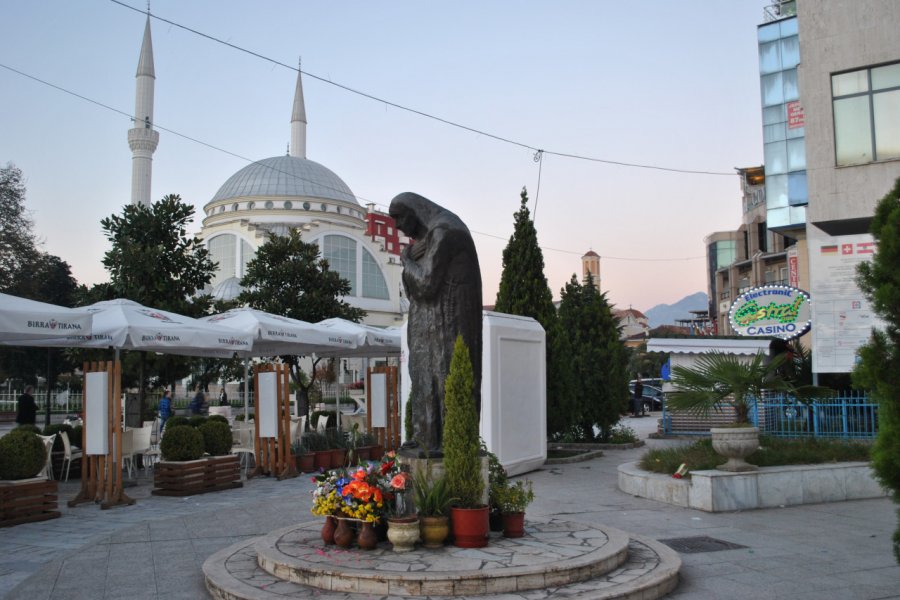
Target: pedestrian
(198, 405)
(223, 397)
(638, 401)
(26, 408)
(166, 409)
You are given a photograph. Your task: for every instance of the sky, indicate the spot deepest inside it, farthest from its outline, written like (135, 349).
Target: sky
(659, 83)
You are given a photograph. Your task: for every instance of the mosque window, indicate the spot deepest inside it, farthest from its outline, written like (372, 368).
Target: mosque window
(373, 284)
(222, 208)
(235, 206)
(338, 208)
(251, 205)
(222, 251)
(324, 207)
(340, 252)
(270, 204)
(306, 206)
(288, 204)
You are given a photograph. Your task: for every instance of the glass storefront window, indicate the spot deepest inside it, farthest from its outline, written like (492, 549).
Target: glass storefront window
(340, 252)
(797, 194)
(772, 89)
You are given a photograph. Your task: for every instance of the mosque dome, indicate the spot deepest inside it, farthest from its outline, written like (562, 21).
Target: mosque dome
(289, 176)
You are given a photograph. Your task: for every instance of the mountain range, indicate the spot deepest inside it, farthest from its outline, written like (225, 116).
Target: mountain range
(665, 314)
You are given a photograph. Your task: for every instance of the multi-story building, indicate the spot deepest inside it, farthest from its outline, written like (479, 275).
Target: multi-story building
(830, 99)
(750, 256)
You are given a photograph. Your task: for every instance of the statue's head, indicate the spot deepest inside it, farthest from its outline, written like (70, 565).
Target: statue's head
(411, 212)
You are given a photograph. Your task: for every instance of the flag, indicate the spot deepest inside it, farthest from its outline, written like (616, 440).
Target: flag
(828, 249)
(865, 247)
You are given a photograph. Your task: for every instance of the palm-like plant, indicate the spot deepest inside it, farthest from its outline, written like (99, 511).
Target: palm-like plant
(717, 377)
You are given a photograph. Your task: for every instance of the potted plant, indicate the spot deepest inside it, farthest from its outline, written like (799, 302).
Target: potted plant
(338, 446)
(24, 497)
(496, 477)
(513, 498)
(462, 463)
(184, 471)
(318, 445)
(403, 525)
(433, 499)
(719, 380)
(304, 458)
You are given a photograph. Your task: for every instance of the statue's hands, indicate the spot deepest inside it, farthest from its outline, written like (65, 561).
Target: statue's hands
(417, 250)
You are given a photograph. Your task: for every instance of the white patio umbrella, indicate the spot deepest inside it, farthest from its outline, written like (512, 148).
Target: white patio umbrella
(371, 341)
(23, 320)
(274, 335)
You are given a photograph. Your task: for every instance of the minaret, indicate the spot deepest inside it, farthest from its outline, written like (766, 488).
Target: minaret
(143, 139)
(590, 263)
(298, 121)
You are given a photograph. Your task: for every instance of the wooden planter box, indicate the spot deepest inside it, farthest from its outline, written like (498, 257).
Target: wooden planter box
(27, 500)
(192, 477)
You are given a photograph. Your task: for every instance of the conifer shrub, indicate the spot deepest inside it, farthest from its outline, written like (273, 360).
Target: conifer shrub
(177, 422)
(181, 443)
(197, 420)
(462, 463)
(31, 428)
(219, 418)
(22, 454)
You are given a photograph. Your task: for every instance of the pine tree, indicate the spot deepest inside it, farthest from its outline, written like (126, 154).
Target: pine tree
(524, 291)
(599, 360)
(879, 367)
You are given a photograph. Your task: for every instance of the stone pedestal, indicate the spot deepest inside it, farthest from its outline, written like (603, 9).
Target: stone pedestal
(419, 467)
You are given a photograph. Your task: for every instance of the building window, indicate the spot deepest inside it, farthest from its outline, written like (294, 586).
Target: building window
(288, 204)
(235, 206)
(340, 252)
(866, 106)
(247, 254)
(251, 205)
(269, 204)
(222, 208)
(306, 206)
(373, 284)
(324, 207)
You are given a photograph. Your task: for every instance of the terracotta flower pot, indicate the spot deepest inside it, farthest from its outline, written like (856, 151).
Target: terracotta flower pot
(306, 463)
(322, 460)
(338, 457)
(376, 452)
(470, 527)
(328, 530)
(434, 530)
(513, 524)
(367, 539)
(403, 533)
(344, 534)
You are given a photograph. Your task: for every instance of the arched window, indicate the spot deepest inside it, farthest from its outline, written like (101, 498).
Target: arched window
(270, 204)
(235, 206)
(222, 251)
(373, 284)
(340, 252)
(247, 254)
(288, 204)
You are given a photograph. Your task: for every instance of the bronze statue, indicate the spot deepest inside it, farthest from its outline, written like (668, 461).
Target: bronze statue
(443, 284)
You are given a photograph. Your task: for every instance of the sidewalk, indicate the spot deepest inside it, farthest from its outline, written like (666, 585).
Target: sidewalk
(155, 548)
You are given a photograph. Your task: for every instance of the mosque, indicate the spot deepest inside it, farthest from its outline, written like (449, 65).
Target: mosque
(274, 195)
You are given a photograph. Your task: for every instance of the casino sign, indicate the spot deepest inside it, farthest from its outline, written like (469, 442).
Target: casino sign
(771, 311)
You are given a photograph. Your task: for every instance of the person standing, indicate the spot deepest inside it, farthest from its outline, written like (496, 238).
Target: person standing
(166, 409)
(223, 397)
(26, 408)
(198, 404)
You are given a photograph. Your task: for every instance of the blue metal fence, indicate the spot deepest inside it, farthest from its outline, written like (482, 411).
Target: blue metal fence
(846, 416)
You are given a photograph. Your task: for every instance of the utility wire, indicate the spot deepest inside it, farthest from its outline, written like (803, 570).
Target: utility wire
(419, 112)
(289, 174)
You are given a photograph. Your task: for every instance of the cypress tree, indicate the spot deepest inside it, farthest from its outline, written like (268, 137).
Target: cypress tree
(461, 444)
(524, 291)
(599, 360)
(879, 367)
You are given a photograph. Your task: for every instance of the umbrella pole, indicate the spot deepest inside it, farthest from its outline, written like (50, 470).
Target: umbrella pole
(246, 394)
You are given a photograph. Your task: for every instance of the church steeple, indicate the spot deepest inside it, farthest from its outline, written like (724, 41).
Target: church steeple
(142, 138)
(298, 121)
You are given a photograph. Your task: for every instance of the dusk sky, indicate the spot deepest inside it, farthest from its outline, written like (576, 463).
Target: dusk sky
(661, 83)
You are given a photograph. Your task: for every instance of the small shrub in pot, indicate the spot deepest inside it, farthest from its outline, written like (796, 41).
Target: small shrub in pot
(22, 454)
(216, 437)
(181, 443)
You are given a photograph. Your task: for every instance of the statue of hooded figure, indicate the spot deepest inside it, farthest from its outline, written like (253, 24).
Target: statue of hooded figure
(443, 285)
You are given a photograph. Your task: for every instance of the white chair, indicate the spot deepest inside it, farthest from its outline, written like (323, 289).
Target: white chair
(245, 449)
(224, 411)
(47, 471)
(322, 424)
(141, 442)
(70, 454)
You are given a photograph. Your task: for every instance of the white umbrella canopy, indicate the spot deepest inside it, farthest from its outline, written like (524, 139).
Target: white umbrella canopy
(126, 325)
(274, 335)
(23, 320)
(371, 341)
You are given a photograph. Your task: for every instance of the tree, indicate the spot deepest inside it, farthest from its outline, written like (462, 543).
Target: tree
(879, 366)
(288, 277)
(17, 244)
(154, 262)
(524, 291)
(598, 357)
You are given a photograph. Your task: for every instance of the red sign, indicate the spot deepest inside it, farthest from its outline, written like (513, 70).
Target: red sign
(793, 271)
(794, 115)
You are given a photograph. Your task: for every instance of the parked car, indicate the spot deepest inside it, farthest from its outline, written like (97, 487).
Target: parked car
(652, 396)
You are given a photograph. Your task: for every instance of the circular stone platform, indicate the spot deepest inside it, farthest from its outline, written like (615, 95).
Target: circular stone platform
(552, 553)
(556, 559)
